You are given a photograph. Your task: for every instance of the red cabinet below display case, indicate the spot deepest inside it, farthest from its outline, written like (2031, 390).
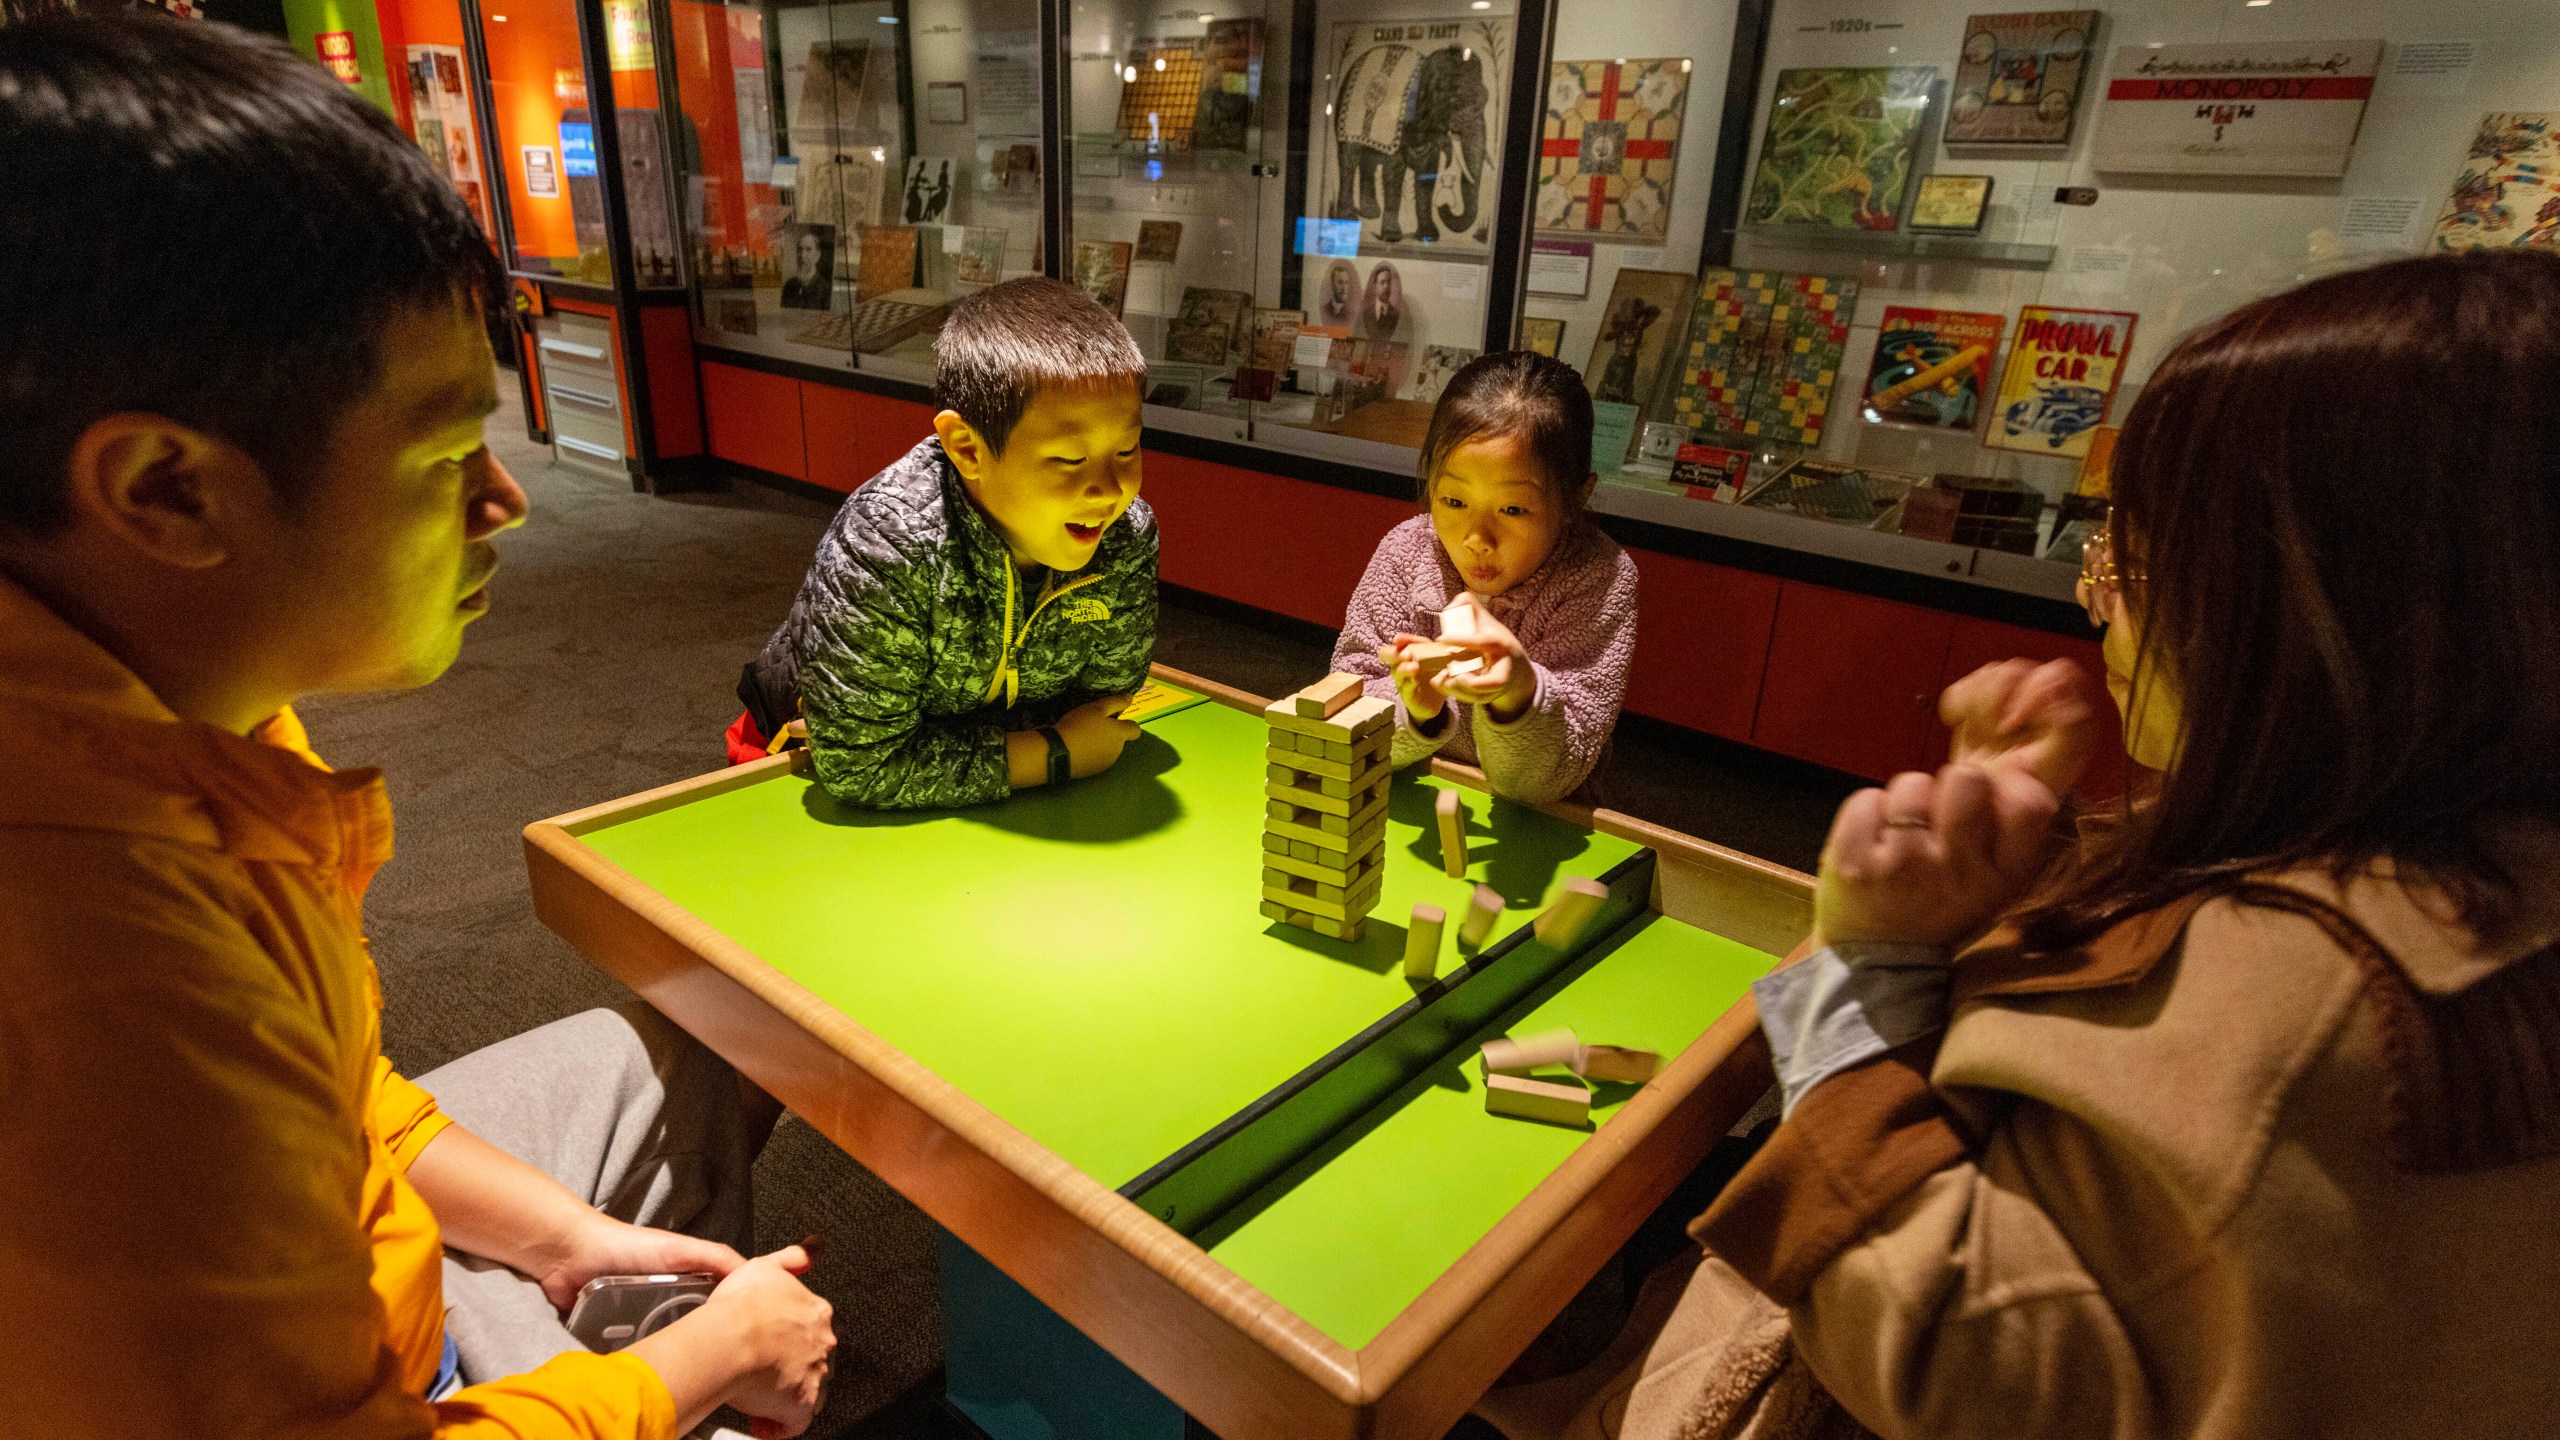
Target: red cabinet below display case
(1702, 643)
(1852, 681)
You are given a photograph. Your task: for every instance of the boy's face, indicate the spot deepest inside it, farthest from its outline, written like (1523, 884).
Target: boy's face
(1495, 519)
(369, 582)
(1069, 469)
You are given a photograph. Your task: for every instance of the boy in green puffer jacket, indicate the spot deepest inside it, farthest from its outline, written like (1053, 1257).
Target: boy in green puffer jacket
(980, 612)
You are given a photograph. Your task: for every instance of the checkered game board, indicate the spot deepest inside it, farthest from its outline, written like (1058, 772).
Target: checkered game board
(1764, 355)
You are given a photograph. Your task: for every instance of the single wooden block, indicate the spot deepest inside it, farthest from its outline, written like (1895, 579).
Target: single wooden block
(1276, 844)
(1616, 1063)
(1483, 908)
(1452, 810)
(1431, 657)
(1300, 849)
(1464, 612)
(1557, 1102)
(1345, 871)
(1530, 1052)
(1336, 750)
(1361, 768)
(1276, 912)
(1347, 907)
(1561, 923)
(1422, 942)
(1327, 841)
(1280, 774)
(1349, 930)
(1327, 697)
(1356, 721)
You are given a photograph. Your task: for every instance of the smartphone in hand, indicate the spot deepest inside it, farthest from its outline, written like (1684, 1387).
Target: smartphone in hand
(614, 1310)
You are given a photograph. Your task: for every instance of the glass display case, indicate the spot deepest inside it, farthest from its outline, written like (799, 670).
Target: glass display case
(1966, 236)
(546, 142)
(1875, 287)
(862, 165)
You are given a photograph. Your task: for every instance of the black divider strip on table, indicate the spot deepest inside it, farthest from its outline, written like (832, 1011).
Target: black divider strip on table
(1196, 1185)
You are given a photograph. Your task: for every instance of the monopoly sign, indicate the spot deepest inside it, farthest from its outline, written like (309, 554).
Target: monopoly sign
(2288, 109)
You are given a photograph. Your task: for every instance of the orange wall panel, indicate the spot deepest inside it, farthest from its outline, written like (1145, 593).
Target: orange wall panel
(1702, 643)
(854, 435)
(1290, 546)
(755, 419)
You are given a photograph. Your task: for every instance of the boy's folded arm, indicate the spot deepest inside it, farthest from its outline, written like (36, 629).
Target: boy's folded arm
(864, 671)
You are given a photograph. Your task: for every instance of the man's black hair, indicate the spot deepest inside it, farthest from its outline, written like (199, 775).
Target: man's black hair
(196, 223)
(1004, 343)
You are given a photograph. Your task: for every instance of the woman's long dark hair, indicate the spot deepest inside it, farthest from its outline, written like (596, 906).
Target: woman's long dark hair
(2347, 500)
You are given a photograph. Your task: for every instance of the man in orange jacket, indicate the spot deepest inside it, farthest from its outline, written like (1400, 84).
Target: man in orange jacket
(243, 375)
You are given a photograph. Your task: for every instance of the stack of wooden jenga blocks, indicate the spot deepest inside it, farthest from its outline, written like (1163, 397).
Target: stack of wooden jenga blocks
(1324, 838)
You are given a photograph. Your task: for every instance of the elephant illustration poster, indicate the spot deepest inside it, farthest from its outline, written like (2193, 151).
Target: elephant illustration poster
(1839, 146)
(1416, 132)
(1611, 147)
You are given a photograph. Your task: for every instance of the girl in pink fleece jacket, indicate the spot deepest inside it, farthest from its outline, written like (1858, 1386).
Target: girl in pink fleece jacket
(1506, 486)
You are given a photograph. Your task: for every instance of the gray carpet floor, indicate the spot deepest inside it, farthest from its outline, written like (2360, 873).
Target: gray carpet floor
(605, 667)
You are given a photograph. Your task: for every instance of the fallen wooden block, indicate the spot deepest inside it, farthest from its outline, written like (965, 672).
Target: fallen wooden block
(1557, 1102)
(1452, 810)
(1483, 908)
(1561, 923)
(1422, 942)
(1327, 697)
(1617, 1064)
(1507, 1056)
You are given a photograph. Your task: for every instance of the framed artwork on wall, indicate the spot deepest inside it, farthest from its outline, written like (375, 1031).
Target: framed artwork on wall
(1838, 150)
(2020, 77)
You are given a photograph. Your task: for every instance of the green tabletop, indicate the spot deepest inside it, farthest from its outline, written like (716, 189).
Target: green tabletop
(1430, 1172)
(1088, 962)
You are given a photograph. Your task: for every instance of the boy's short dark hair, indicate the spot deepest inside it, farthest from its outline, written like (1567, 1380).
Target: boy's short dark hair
(199, 224)
(1004, 343)
(1522, 393)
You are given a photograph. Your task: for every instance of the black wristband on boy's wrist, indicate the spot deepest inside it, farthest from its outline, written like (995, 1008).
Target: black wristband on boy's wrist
(1059, 771)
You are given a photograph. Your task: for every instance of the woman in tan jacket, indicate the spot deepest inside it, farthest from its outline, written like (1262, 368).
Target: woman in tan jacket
(2244, 1120)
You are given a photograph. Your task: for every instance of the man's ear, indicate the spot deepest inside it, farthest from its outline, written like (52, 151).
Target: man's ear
(169, 491)
(968, 450)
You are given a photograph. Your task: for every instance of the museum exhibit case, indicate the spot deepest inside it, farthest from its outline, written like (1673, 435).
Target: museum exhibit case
(1861, 298)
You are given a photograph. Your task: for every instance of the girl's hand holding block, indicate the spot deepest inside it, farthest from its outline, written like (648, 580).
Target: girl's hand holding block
(1502, 679)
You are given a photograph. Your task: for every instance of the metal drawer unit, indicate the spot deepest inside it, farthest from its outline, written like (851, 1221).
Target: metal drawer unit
(582, 392)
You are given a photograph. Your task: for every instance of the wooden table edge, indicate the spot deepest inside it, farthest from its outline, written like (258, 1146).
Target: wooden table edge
(1426, 1366)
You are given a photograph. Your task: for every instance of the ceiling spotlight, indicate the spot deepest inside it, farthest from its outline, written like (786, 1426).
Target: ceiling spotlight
(1159, 62)
(1130, 74)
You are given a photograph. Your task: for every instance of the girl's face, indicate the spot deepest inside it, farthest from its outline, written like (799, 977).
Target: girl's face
(1495, 518)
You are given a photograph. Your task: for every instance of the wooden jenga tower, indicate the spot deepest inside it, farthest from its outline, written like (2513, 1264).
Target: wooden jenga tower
(1324, 841)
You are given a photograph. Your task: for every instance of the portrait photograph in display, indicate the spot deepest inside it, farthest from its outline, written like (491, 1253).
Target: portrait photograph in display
(808, 267)
(1382, 303)
(1337, 299)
